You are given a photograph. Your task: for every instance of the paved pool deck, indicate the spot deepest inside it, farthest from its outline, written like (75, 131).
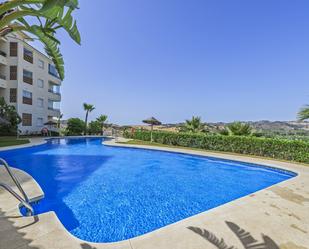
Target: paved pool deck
(275, 217)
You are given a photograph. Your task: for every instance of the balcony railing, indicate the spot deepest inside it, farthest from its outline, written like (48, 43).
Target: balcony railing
(54, 92)
(3, 77)
(28, 58)
(28, 80)
(53, 109)
(13, 75)
(2, 53)
(27, 101)
(53, 71)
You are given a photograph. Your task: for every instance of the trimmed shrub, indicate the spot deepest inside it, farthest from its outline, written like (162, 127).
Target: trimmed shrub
(75, 127)
(267, 147)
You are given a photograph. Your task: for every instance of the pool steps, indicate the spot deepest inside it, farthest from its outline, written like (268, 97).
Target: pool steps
(24, 201)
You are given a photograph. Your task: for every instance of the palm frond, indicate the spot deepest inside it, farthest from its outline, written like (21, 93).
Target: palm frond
(303, 114)
(57, 13)
(51, 48)
(54, 9)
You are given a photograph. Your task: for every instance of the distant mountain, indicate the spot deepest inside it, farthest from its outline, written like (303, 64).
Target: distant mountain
(264, 126)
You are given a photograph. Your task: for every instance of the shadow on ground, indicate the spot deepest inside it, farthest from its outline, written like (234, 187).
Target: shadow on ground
(11, 236)
(247, 240)
(87, 246)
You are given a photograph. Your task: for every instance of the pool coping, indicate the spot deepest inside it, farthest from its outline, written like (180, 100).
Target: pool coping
(281, 205)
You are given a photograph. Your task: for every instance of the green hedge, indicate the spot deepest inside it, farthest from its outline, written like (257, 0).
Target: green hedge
(267, 147)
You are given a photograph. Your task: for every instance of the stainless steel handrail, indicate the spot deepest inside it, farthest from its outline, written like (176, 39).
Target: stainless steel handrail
(7, 167)
(30, 211)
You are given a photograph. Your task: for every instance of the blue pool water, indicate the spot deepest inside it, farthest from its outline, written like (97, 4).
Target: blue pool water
(106, 194)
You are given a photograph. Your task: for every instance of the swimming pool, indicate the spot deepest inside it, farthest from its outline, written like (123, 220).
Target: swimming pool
(107, 194)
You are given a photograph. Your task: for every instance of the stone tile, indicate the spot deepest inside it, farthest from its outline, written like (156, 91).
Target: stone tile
(17, 231)
(61, 239)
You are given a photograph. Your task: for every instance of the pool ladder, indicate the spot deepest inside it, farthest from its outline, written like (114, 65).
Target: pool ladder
(23, 200)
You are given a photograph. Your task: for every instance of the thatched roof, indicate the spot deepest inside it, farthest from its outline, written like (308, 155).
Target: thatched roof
(152, 121)
(50, 122)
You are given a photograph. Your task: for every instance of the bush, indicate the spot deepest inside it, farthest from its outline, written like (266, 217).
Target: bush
(75, 127)
(94, 128)
(266, 147)
(8, 113)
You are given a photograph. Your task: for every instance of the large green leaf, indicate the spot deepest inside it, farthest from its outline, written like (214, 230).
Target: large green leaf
(57, 14)
(8, 5)
(50, 4)
(54, 10)
(51, 48)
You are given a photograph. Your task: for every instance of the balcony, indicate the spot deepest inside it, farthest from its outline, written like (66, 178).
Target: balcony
(53, 112)
(54, 96)
(3, 82)
(3, 59)
(28, 55)
(54, 82)
(28, 80)
(28, 58)
(27, 101)
(53, 71)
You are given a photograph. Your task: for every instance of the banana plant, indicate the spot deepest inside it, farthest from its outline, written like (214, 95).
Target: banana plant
(51, 15)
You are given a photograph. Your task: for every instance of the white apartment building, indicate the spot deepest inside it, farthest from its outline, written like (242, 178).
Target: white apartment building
(30, 82)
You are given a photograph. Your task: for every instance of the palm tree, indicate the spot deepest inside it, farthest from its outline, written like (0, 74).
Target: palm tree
(59, 120)
(240, 129)
(303, 114)
(102, 119)
(51, 15)
(88, 108)
(194, 125)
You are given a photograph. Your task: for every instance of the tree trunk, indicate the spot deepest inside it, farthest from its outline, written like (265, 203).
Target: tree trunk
(86, 120)
(151, 133)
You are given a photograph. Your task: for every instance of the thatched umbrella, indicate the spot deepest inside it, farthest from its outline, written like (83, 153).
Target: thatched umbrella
(50, 123)
(152, 121)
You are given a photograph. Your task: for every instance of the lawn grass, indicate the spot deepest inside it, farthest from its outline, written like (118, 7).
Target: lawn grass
(10, 141)
(140, 142)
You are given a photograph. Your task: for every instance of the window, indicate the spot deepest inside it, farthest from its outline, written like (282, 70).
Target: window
(28, 55)
(50, 104)
(39, 122)
(27, 97)
(13, 49)
(40, 83)
(27, 75)
(41, 64)
(13, 72)
(26, 119)
(52, 70)
(13, 95)
(40, 102)
(54, 89)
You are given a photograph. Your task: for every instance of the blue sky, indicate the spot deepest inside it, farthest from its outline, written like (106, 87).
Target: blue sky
(223, 60)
